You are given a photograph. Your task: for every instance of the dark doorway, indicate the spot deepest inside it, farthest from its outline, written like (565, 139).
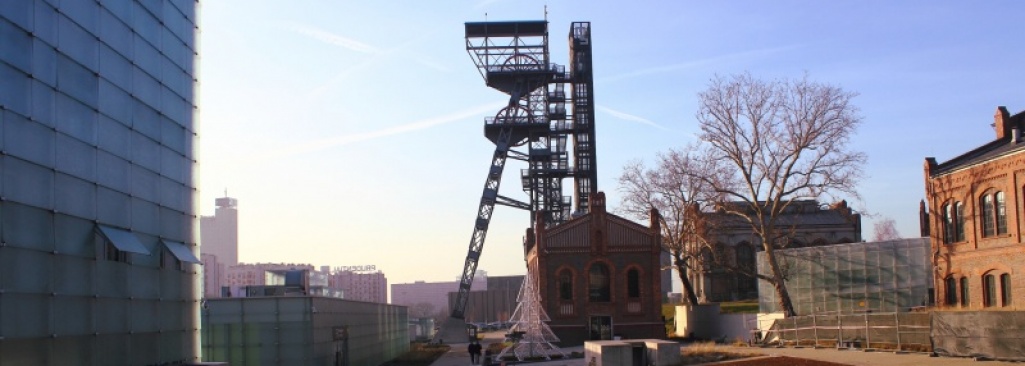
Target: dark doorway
(638, 355)
(600, 328)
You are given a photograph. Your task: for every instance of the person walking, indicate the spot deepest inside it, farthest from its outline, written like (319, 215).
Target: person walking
(474, 349)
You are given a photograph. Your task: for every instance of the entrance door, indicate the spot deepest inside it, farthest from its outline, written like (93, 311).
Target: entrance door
(600, 328)
(341, 343)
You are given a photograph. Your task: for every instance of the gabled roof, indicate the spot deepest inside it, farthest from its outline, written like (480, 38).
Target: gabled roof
(586, 218)
(980, 154)
(1007, 142)
(817, 217)
(598, 223)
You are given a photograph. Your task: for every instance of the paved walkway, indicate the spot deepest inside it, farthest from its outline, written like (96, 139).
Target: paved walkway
(458, 356)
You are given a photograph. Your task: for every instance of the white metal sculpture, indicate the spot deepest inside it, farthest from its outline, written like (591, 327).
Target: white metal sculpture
(530, 320)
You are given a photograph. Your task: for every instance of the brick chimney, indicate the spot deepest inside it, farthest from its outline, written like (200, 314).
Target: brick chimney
(1002, 122)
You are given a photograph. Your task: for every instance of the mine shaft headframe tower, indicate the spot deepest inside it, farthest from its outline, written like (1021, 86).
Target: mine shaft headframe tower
(513, 58)
(582, 80)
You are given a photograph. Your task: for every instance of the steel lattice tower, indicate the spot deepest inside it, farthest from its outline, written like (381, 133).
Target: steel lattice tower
(530, 320)
(513, 58)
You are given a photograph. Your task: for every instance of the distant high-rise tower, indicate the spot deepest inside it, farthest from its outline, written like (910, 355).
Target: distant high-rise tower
(219, 233)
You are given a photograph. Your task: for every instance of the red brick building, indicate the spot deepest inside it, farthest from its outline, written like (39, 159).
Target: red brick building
(599, 276)
(977, 221)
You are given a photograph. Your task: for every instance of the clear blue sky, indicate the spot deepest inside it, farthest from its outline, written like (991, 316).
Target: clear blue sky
(351, 131)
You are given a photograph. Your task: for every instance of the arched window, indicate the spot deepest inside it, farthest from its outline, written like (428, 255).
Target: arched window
(565, 285)
(745, 257)
(959, 221)
(1001, 213)
(994, 214)
(598, 286)
(989, 290)
(706, 259)
(950, 284)
(964, 292)
(745, 253)
(633, 283)
(1005, 289)
(988, 222)
(948, 223)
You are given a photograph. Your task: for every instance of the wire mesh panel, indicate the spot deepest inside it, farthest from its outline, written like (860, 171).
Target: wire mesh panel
(851, 278)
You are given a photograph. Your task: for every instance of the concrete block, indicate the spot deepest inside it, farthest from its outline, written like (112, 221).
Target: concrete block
(607, 353)
(662, 353)
(700, 320)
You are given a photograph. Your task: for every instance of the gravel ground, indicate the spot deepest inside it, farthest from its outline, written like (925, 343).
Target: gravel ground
(778, 361)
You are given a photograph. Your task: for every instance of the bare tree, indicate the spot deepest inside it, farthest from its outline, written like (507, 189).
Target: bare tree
(885, 229)
(670, 192)
(772, 143)
(421, 310)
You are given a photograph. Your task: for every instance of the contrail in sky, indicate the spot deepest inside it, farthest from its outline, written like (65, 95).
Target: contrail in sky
(696, 63)
(354, 45)
(630, 117)
(376, 54)
(334, 39)
(336, 141)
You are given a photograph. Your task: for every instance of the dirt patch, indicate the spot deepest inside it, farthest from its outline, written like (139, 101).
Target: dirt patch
(419, 355)
(699, 353)
(781, 361)
(709, 357)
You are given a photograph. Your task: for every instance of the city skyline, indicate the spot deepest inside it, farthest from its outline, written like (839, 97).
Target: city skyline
(351, 132)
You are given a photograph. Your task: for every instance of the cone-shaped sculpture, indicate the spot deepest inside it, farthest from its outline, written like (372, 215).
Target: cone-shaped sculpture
(531, 319)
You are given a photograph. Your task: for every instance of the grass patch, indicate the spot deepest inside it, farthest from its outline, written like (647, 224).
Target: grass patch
(497, 347)
(739, 307)
(420, 354)
(705, 352)
(669, 314)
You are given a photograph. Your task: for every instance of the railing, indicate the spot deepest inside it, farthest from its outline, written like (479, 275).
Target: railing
(508, 120)
(896, 331)
(528, 67)
(566, 309)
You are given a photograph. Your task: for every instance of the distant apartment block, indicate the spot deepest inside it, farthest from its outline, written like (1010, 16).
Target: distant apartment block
(213, 275)
(97, 183)
(219, 233)
(432, 297)
(359, 285)
(239, 276)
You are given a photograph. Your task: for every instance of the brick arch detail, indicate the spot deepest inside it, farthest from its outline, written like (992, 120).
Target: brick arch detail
(987, 191)
(586, 277)
(641, 276)
(996, 268)
(575, 290)
(956, 273)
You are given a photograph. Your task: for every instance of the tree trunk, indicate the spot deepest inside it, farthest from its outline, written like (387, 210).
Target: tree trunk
(688, 289)
(782, 295)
